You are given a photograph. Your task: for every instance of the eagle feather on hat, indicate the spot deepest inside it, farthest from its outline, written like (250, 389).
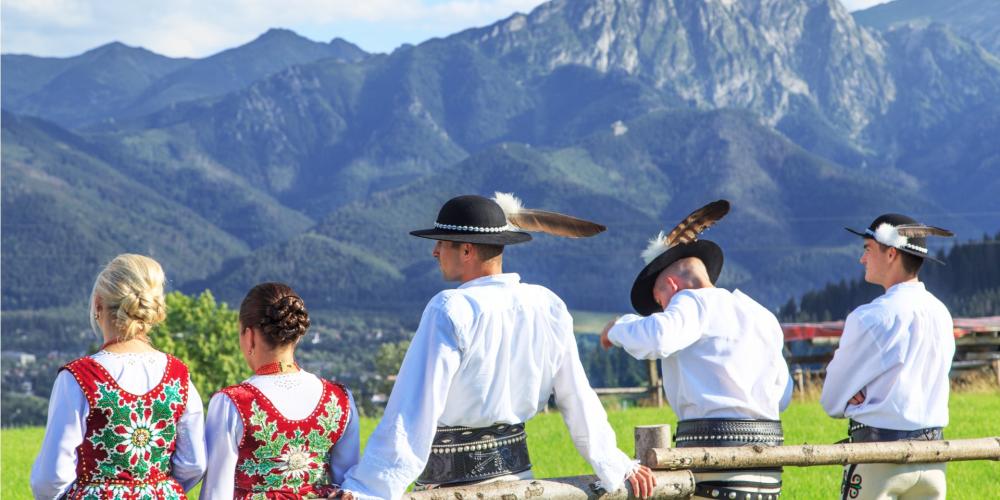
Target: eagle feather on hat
(687, 230)
(556, 224)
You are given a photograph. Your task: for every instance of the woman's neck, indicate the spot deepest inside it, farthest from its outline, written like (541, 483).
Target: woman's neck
(275, 362)
(117, 345)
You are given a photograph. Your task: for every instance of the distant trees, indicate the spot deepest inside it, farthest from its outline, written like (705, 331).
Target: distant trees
(203, 334)
(968, 283)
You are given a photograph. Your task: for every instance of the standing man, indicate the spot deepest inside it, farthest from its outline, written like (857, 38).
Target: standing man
(890, 373)
(485, 358)
(723, 371)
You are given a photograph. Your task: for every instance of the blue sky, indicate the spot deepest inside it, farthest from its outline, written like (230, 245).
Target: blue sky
(198, 28)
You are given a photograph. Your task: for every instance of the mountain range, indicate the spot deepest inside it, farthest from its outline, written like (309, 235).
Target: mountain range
(308, 162)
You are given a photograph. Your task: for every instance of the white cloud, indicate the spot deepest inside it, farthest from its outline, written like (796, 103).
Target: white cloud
(199, 28)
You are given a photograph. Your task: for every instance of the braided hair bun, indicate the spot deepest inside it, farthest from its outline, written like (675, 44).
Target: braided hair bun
(277, 311)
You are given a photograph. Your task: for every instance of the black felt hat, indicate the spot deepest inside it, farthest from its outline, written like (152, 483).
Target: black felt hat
(473, 219)
(642, 289)
(682, 242)
(902, 233)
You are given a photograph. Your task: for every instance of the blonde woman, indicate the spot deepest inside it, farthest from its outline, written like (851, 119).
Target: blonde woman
(125, 422)
(284, 433)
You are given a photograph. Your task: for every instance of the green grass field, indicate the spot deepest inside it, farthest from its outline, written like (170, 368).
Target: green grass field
(972, 415)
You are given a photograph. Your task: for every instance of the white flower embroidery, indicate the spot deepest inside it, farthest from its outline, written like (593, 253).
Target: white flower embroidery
(296, 459)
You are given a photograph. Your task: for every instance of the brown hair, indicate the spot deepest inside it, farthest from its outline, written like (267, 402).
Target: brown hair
(277, 311)
(483, 251)
(911, 263)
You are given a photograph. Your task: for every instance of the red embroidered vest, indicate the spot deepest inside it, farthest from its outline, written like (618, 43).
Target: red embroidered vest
(281, 458)
(130, 438)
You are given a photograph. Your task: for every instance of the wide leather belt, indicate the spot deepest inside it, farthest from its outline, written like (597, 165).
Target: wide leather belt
(728, 432)
(861, 433)
(465, 454)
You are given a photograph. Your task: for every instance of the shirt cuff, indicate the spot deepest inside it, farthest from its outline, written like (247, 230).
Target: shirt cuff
(612, 473)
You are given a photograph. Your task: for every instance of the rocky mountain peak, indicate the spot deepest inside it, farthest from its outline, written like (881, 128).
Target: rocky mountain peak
(753, 54)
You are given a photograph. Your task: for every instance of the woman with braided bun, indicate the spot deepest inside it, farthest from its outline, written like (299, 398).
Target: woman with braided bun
(284, 433)
(125, 422)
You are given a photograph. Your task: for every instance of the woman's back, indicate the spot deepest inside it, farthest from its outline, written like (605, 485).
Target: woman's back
(129, 422)
(281, 432)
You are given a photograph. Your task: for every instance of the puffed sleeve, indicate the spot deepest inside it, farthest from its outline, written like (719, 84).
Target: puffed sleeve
(858, 360)
(584, 414)
(347, 451)
(54, 469)
(223, 431)
(398, 449)
(189, 460)
(661, 334)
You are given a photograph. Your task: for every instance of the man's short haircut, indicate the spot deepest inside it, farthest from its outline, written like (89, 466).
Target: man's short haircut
(911, 263)
(484, 251)
(689, 269)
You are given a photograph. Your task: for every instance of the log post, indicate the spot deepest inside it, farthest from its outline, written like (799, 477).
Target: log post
(648, 437)
(896, 452)
(669, 485)
(996, 370)
(655, 384)
(800, 381)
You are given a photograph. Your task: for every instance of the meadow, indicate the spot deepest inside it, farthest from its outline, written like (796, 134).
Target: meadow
(973, 414)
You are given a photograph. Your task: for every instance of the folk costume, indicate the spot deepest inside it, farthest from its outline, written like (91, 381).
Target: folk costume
(120, 426)
(897, 351)
(484, 360)
(721, 356)
(285, 435)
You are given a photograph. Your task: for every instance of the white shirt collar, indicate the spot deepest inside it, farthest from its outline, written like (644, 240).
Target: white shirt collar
(493, 279)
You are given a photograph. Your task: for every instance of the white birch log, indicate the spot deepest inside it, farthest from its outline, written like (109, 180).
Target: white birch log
(896, 452)
(669, 485)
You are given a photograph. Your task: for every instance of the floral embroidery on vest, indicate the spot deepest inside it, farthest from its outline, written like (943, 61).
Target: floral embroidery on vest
(281, 455)
(130, 438)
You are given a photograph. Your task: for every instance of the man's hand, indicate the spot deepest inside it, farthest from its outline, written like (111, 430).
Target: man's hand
(642, 481)
(858, 398)
(605, 341)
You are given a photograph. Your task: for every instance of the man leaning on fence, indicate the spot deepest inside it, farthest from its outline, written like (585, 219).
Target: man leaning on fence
(890, 373)
(723, 370)
(485, 358)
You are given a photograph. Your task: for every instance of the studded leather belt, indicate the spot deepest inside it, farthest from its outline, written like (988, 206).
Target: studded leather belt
(728, 432)
(861, 433)
(465, 454)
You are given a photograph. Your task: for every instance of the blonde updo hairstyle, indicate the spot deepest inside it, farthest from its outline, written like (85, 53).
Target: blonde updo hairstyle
(131, 289)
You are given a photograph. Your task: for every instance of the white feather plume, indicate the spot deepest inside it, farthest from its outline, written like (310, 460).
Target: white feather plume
(655, 248)
(887, 234)
(509, 203)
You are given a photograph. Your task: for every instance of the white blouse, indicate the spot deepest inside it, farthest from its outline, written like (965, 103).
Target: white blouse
(491, 351)
(898, 351)
(54, 470)
(295, 395)
(721, 352)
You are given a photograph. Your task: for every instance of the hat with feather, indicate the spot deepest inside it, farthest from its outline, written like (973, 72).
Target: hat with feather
(679, 243)
(502, 220)
(903, 233)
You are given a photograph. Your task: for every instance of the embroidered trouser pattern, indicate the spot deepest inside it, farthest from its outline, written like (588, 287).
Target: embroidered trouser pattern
(893, 481)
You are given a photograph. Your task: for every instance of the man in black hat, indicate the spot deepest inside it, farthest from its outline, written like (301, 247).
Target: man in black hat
(723, 371)
(485, 358)
(889, 374)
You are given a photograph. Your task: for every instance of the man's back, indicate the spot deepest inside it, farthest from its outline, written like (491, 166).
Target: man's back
(513, 339)
(734, 369)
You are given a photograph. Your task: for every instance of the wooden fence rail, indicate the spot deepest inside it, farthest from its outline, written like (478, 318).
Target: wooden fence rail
(669, 485)
(897, 452)
(675, 480)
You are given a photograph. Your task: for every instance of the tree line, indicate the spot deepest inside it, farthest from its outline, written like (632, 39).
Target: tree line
(968, 283)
